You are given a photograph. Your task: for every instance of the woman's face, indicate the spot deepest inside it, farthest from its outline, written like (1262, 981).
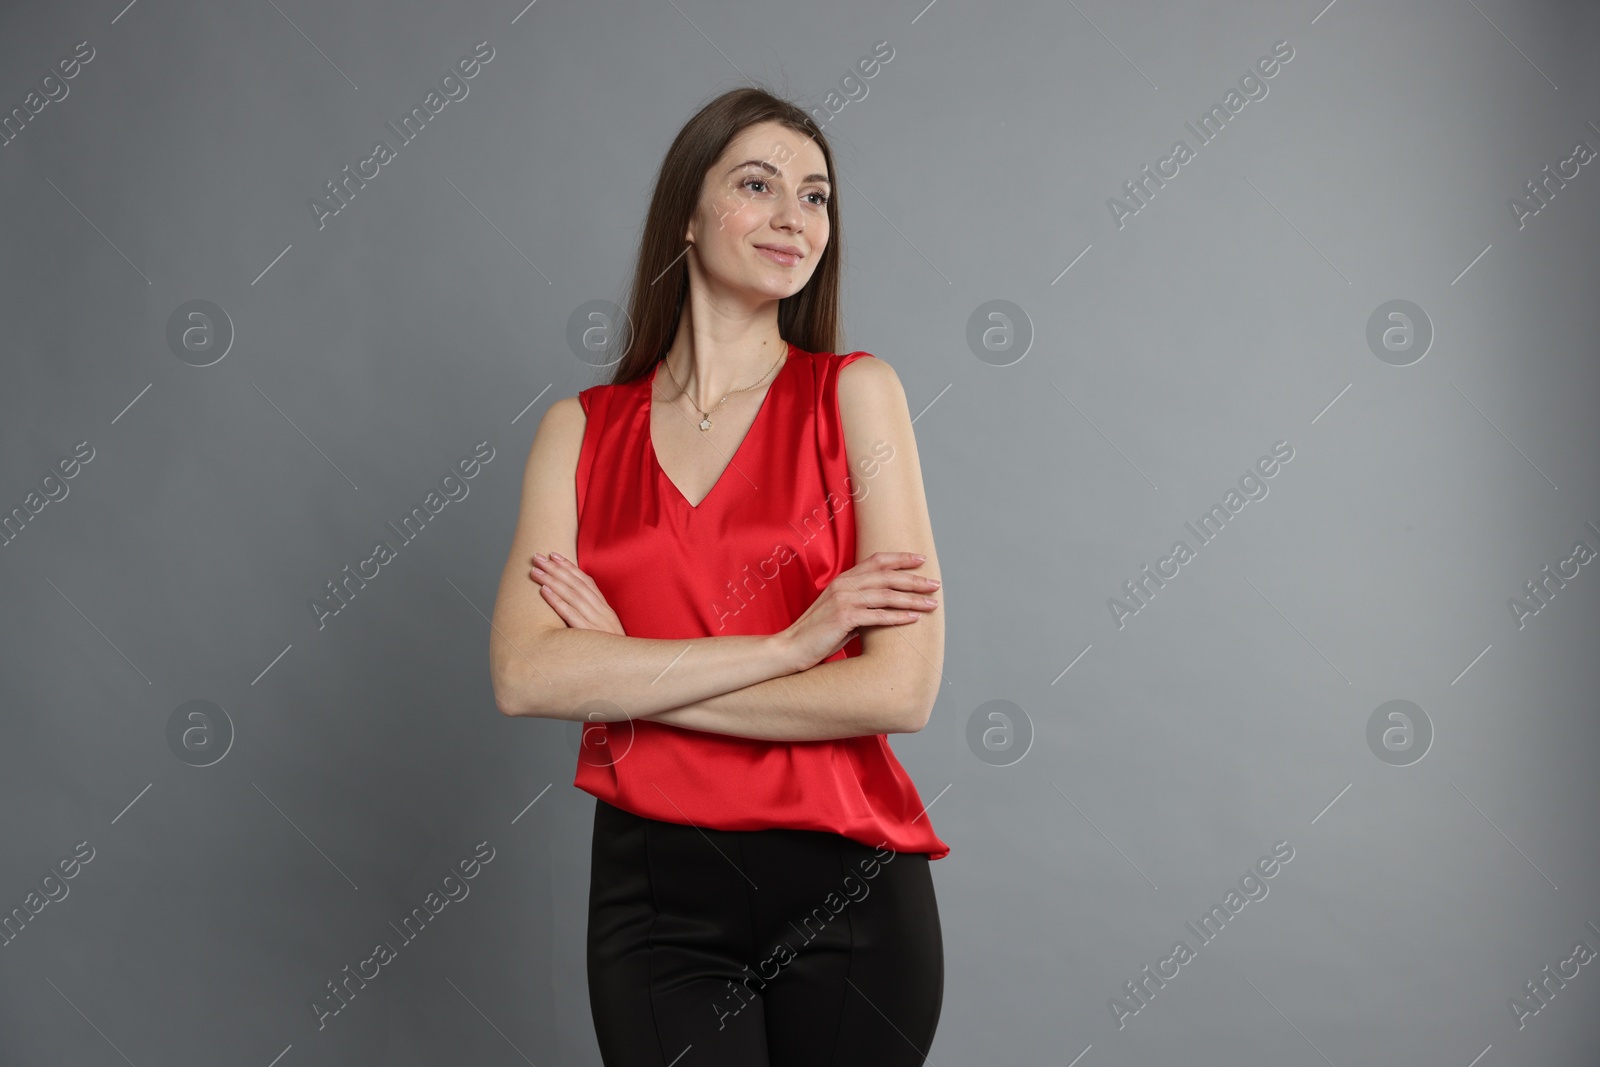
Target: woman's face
(768, 191)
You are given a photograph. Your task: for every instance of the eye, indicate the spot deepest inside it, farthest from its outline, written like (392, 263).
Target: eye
(821, 201)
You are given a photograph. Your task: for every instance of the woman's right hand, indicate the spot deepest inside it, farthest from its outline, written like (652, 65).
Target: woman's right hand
(875, 592)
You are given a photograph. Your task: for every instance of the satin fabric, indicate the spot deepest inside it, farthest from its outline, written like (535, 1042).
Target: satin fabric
(775, 529)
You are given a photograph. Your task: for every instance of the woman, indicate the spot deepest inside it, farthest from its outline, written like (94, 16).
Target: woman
(752, 615)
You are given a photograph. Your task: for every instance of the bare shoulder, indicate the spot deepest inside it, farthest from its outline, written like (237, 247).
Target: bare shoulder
(564, 419)
(881, 448)
(548, 516)
(553, 462)
(868, 373)
(870, 395)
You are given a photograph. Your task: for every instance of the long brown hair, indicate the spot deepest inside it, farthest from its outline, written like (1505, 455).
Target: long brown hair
(809, 319)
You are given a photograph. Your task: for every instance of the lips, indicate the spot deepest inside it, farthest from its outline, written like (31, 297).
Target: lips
(788, 255)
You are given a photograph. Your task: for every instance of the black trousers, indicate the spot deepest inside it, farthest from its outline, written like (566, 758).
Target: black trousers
(758, 948)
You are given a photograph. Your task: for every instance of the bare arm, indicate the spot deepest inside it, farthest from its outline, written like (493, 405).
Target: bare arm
(541, 667)
(892, 685)
(845, 698)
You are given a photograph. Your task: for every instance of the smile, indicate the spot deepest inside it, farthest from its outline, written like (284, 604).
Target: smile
(785, 258)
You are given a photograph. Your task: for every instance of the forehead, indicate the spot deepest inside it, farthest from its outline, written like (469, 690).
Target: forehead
(793, 154)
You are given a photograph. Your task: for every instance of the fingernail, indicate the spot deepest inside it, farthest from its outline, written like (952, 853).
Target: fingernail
(557, 556)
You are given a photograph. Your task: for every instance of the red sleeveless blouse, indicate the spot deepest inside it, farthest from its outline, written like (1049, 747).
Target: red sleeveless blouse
(776, 528)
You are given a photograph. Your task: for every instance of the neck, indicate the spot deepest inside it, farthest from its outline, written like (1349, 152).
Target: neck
(708, 367)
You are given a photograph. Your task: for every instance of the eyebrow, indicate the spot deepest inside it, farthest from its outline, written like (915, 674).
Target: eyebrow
(770, 169)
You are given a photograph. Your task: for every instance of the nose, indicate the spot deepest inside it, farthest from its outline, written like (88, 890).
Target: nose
(787, 217)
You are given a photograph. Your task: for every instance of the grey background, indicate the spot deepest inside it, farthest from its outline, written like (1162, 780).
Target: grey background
(431, 313)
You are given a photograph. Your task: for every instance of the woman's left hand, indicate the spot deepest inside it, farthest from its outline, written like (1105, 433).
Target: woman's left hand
(573, 595)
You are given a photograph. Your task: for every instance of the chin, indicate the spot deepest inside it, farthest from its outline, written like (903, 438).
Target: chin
(777, 289)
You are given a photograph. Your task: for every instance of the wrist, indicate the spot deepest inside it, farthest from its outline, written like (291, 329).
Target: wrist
(781, 653)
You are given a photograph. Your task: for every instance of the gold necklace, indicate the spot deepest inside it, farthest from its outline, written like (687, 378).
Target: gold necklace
(705, 416)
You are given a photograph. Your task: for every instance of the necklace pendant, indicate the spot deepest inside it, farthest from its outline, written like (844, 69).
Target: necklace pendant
(705, 423)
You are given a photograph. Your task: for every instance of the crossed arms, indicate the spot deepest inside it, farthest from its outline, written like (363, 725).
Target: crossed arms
(748, 686)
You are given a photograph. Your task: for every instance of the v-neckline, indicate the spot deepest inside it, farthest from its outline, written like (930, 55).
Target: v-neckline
(650, 441)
